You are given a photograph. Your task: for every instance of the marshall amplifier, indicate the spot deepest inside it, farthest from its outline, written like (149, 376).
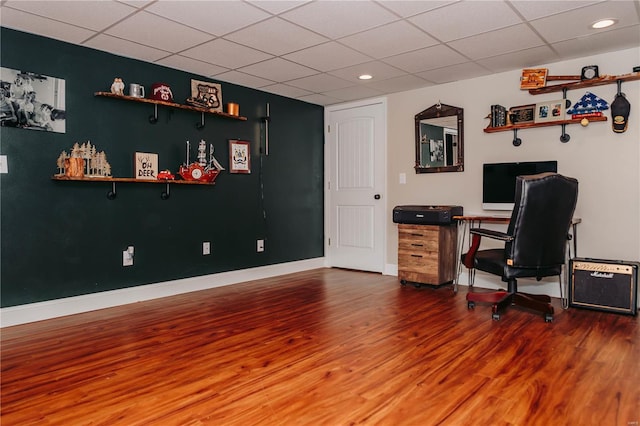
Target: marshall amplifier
(426, 215)
(604, 285)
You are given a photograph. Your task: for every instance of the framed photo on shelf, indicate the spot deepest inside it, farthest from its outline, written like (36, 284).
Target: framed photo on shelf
(239, 156)
(522, 113)
(549, 111)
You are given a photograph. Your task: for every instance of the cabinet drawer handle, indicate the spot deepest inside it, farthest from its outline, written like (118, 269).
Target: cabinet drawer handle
(416, 255)
(417, 245)
(416, 235)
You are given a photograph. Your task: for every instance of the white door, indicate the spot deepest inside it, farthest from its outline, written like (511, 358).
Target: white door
(356, 171)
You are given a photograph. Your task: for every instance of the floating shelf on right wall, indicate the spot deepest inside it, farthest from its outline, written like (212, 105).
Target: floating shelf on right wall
(564, 137)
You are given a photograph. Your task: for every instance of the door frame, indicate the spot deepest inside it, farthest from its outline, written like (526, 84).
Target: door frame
(328, 215)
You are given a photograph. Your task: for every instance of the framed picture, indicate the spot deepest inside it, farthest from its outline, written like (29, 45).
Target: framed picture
(32, 101)
(205, 94)
(239, 157)
(522, 113)
(549, 111)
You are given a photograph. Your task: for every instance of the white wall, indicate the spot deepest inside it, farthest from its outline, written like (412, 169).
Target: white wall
(605, 163)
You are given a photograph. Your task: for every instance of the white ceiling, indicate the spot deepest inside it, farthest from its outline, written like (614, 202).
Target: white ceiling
(315, 50)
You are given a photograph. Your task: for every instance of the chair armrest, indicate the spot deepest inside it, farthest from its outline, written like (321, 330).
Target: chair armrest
(489, 233)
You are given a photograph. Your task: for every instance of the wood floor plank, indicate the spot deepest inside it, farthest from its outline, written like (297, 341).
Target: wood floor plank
(321, 347)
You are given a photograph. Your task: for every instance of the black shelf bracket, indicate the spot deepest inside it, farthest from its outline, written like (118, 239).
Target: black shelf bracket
(153, 119)
(200, 125)
(516, 140)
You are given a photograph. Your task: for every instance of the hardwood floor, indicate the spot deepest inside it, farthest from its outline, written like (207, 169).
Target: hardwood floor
(323, 347)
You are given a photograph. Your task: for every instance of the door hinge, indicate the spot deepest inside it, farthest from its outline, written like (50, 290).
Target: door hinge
(329, 128)
(329, 243)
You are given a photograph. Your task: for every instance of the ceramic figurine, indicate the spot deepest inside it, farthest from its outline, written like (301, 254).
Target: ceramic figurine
(117, 87)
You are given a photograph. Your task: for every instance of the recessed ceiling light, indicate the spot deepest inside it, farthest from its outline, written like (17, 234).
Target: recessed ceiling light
(365, 77)
(603, 23)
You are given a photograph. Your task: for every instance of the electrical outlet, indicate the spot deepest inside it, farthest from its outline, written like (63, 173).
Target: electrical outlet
(206, 248)
(4, 166)
(127, 257)
(260, 246)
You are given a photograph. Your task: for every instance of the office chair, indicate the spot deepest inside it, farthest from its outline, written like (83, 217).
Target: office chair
(535, 243)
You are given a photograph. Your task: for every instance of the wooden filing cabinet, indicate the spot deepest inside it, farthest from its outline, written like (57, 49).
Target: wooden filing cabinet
(427, 253)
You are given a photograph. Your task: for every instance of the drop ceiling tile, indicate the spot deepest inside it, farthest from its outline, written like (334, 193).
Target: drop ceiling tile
(400, 84)
(498, 42)
(276, 6)
(354, 93)
(522, 59)
(226, 54)
(276, 36)
(377, 43)
(406, 8)
(27, 22)
(320, 99)
(278, 69)
(454, 73)
(327, 57)
(243, 79)
(213, 17)
(137, 3)
(154, 31)
(125, 48)
(191, 65)
(577, 23)
(539, 9)
(319, 83)
(335, 19)
(603, 42)
(378, 69)
(284, 90)
(465, 19)
(87, 14)
(426, 59)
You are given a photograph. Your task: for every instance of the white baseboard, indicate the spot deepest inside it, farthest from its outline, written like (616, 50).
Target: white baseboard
(15, 315)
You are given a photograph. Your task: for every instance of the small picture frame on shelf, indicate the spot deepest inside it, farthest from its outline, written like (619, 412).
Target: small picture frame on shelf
(146, 166)
(522, 114)
(239, 156)
(550, 111)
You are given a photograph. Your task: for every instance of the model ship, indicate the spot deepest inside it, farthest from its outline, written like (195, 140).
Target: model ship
(201, 170)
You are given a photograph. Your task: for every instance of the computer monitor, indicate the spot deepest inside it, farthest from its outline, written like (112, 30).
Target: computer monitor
(499, 181)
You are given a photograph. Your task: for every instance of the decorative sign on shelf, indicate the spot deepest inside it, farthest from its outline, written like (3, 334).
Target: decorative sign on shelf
(146, 166)
(205, 94)
(533, 78)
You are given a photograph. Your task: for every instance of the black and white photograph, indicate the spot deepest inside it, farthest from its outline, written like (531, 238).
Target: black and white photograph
(32, 101)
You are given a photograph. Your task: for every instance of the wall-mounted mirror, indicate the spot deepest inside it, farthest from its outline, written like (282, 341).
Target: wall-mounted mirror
(440, 139)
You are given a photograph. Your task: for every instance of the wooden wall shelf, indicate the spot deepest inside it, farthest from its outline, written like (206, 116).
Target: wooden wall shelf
(544, 124)
(564, 87)
(154, 118)
(112, 193)
(600, 81)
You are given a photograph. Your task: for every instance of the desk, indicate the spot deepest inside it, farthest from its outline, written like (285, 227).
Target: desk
(466, 222)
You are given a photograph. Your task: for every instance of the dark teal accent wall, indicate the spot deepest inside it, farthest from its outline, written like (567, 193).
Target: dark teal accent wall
(62, 239)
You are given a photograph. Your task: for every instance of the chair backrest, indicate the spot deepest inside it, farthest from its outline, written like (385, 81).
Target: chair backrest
(540, 220)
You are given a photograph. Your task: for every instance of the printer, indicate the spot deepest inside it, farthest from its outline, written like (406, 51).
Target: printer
(426, 215)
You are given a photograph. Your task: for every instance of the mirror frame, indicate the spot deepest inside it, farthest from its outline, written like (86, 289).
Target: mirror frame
(436, 111)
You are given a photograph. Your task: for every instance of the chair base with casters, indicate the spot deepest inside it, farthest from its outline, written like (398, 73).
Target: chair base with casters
(500, 300)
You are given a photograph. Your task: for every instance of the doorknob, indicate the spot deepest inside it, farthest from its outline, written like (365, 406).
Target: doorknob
(377, 196)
